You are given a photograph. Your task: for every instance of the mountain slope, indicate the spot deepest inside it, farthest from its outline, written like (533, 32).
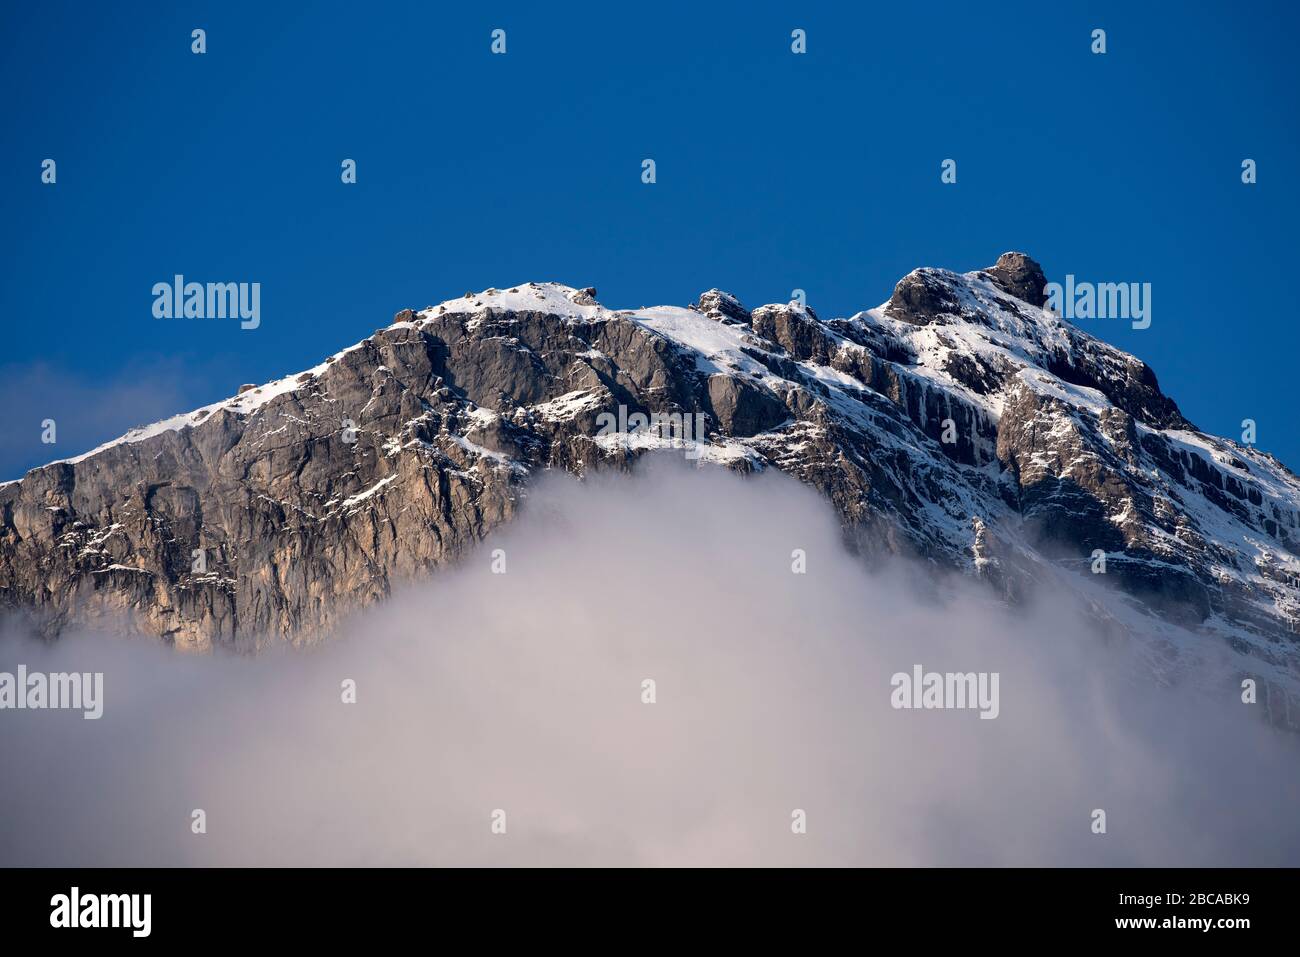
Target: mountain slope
(959, 422)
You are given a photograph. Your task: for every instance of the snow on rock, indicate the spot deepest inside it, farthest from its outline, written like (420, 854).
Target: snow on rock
(959, 421)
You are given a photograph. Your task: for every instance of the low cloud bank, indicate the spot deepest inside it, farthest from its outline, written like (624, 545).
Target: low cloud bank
(522, 692)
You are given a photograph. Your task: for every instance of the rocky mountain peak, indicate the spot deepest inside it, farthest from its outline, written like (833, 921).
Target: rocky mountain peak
(958, 422)
(922, 296)
(1021, 277)
(722, 306)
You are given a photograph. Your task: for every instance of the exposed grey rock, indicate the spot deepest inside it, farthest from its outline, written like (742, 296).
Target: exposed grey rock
(1020, 276)
(958, 423)
(722, 306)
(742, 409)
(921, 297)
(797, 330)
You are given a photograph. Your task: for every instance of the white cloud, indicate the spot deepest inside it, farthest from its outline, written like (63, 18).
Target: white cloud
(522, 692)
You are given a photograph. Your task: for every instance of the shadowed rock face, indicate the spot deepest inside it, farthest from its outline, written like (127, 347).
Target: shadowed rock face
(958, 422)
(1021, 277)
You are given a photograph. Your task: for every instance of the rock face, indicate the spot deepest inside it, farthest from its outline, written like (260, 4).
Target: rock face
(1020, 276)
(959, 422)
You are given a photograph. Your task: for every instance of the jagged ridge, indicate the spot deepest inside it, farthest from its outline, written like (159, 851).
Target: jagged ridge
(1062, 445)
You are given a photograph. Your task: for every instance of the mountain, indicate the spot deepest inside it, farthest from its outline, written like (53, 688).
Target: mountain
(960, 423)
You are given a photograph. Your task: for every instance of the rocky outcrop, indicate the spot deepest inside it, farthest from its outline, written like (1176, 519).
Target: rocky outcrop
(921, 297)
(1020, 276)
(796, 329)
(958, 422)
(722, 306)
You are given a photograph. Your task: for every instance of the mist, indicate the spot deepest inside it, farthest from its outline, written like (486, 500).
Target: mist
(515, 683)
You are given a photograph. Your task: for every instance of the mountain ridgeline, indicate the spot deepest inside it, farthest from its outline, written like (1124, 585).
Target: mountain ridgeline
(960, 422)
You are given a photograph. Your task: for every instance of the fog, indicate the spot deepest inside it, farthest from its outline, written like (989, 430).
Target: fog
(523, 692)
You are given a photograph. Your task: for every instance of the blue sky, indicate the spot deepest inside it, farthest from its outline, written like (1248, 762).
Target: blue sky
(775, 171)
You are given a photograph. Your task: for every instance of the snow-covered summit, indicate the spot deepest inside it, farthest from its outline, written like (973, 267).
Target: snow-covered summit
(959, 421)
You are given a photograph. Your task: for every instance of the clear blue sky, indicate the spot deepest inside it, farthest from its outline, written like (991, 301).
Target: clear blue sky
(775, 171)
